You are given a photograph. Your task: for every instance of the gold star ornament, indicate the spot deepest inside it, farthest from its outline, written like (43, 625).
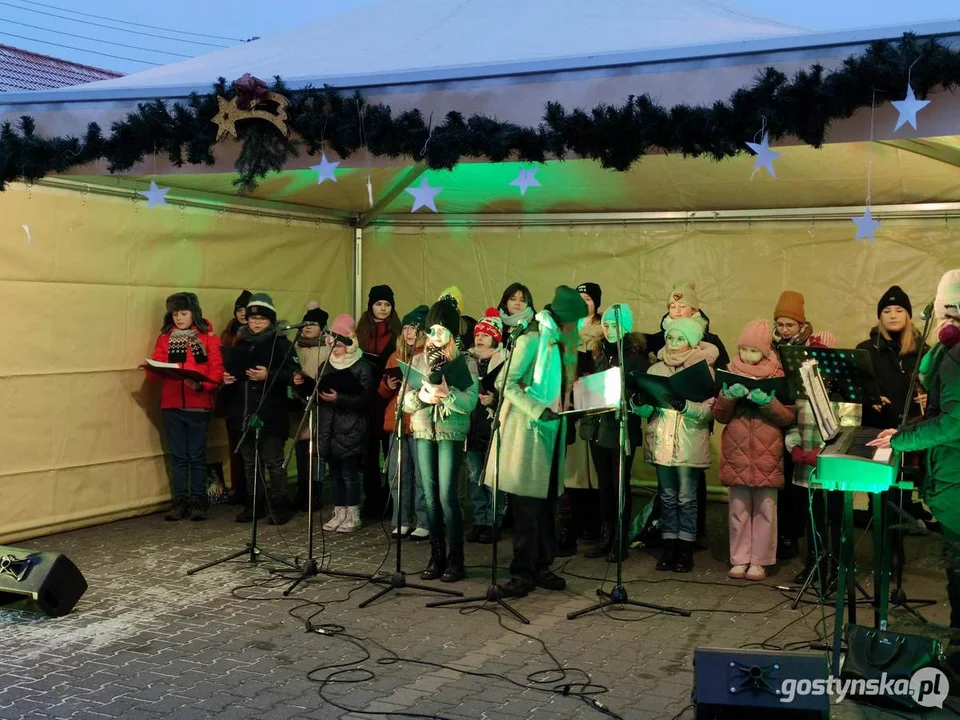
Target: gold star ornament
(271, 107)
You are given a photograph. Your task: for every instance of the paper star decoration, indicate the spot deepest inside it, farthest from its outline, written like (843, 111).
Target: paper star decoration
(325, 170)
(866, 225)
(908, 109)
(424, 195)
(526, 180)
(155, 195)
(765, 156)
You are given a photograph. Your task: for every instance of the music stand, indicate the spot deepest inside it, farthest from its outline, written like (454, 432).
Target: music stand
(846, 374)
(619, 596)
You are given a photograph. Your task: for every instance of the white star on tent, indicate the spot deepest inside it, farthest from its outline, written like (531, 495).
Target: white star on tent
(765, 156)
(155, 195)
(526, 180)
(325, 170)
(424, 196)
(908, 109)
(866, 225)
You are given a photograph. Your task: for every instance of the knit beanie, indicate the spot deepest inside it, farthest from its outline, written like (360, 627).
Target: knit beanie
(378, 293)
(567, 305)
(684, 293)
(242, 300)
(757, 334)
(453, 293)
(316, 314)
(490, 324)
(261, 304)
(948, 295)
(416, 317)
(593, 290)
(691, 328)
(626, 316)
(444, 312)
(894, 296)
(185, 301)
(346, 326)
(790, 305)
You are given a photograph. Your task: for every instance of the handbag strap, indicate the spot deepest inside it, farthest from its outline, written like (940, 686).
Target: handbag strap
(873, 638)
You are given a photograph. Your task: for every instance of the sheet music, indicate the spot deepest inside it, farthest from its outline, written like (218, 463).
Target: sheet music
(819, 400)
(596, 392)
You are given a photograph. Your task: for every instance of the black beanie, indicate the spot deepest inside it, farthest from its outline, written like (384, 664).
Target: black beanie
(593, 290)
(895, 296)
(444, 312)
(316, 314)
(242, 300)
(378, 293)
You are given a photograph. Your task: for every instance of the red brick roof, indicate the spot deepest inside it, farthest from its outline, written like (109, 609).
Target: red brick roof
(23, 70)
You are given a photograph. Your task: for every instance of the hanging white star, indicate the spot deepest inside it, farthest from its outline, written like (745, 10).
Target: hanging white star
(908, 109)
(765, 156)
(866, 225)
(423, 196)
(155, 195)
(325, 170)
(526, 180)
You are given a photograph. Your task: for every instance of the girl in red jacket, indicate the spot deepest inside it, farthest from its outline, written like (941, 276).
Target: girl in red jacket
(751, 453)
(187, 340)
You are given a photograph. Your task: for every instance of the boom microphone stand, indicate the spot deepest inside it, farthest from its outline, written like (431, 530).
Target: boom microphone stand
(255, 423)
(618, 596)
(494, 590)
(398, 580)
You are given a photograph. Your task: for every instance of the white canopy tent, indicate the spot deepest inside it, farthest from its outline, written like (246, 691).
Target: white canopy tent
(741, 237)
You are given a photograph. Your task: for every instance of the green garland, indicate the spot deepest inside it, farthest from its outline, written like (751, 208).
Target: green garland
(615, 135)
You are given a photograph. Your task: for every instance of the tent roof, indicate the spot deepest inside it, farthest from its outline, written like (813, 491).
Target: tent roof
(396, 36)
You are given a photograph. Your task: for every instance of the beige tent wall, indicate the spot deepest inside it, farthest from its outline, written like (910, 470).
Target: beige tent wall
(739, 268)
(83, 280)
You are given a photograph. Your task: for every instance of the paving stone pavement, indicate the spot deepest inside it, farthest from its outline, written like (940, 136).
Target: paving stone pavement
(148, 641)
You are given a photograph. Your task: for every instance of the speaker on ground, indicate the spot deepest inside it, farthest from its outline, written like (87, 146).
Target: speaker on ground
(39, 582)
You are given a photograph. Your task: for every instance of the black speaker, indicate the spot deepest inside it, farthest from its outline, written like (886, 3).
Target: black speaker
(759, 684)
(39, 582)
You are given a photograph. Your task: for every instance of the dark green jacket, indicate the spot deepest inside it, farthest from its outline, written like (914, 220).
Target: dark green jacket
(939, 432)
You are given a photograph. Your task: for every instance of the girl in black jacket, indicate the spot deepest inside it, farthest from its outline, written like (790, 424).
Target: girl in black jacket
(603, 430)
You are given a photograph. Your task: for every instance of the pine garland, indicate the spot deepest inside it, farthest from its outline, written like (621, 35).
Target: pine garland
(615, 135)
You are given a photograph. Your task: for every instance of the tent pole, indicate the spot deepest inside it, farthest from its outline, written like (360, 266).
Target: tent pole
(357, 270)
(406, 181)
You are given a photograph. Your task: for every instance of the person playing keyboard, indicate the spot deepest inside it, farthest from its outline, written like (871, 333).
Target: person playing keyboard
(939, 434)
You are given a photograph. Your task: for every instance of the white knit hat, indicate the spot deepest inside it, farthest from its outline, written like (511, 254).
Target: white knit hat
(948, 293)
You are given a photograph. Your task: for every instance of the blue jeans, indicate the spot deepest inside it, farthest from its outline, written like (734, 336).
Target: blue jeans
(187, 437)
(345, 481)
(481, 496)
(678, 499)
(440, 475)
(412, 500)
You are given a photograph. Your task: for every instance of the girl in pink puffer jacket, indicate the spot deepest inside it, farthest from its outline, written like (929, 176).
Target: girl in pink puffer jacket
(751, 453)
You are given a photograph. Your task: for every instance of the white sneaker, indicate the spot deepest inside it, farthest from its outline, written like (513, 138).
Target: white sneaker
(339, 514)
(402, 530)
(420, 534)
(351, 522)
(737, 572)
(756, 572)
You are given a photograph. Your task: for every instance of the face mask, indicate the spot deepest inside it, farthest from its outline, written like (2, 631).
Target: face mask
(950, 336)
(439, 334)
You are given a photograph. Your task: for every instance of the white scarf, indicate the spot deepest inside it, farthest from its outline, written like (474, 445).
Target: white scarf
(548, 367)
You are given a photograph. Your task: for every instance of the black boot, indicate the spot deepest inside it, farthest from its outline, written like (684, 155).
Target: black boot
(684, 559)
(281, 513)
(455, 570)
(566, 542)
(604, 548)
(199, 509)
(178, 511)
(786, 548)
(438, 561)
(668, 556)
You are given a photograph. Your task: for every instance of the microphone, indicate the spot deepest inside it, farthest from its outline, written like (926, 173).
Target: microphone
(337, 337)
(299, 326)
(518, 331)
(927, 311)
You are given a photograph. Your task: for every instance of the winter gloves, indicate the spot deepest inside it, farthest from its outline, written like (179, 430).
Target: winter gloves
(738, 391)
(804, 457)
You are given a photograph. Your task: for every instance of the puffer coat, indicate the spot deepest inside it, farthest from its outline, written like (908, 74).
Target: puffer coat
(751, 447)
(345, 424)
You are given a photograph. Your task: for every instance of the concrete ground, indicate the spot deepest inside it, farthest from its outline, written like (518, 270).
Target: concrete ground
(147, 641)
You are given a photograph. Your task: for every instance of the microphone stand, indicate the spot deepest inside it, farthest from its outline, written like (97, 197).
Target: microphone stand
(494, 590)
(619, 596)
(256, 424)
(898, 598)
(398, 580)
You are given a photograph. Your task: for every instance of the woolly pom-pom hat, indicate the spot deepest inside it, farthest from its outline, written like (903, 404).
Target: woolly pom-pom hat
(453, 293)
(790, 305)
(626, 316)
(261, 304)
(757, 334)
(444, 312)
(948, 295)
(316, 314)
(691, 328)
(346, 326)
(490, 324)
(684, 293)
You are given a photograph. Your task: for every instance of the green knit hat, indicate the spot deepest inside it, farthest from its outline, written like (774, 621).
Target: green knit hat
(416, 317)
(567, 305)
(261, 304)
